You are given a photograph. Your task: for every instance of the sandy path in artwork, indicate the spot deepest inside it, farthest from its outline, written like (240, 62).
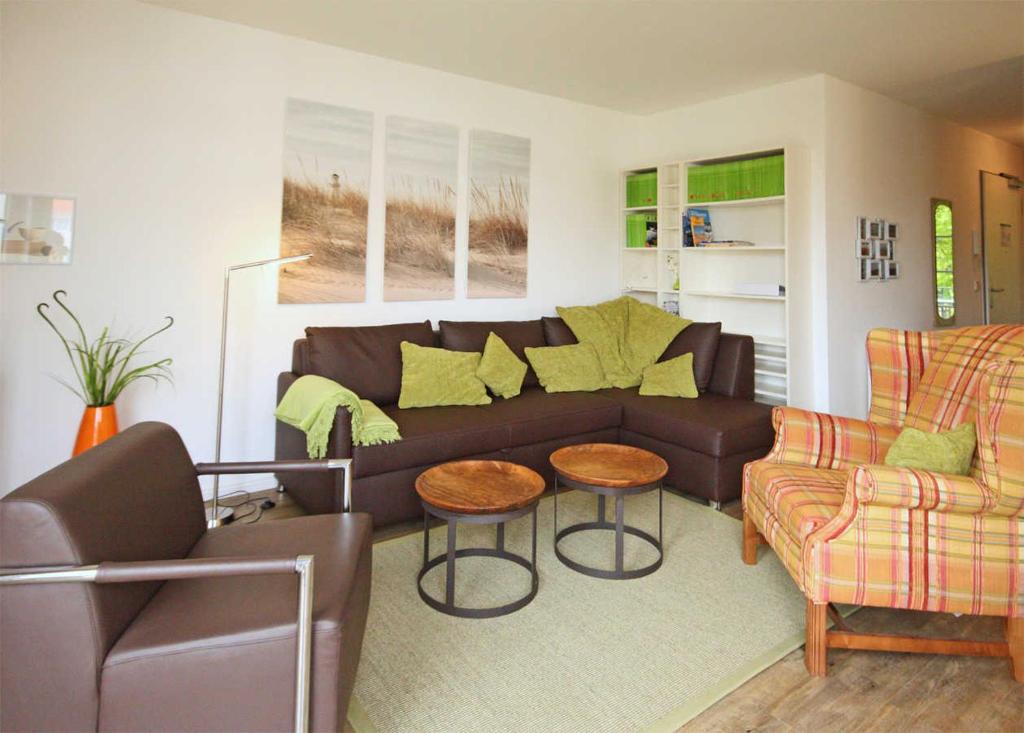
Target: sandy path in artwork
(495, 276)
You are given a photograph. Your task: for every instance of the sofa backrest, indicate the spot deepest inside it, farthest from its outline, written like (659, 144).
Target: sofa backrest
(472, 336)
(722, 363)
(702, 340)
(368, 359)
(365, 359)
(134, 497)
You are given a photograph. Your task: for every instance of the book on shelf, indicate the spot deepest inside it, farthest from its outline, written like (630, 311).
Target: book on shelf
(641, 230)
(768, 289)
(727, 243)
(697, 227)
(651, 240)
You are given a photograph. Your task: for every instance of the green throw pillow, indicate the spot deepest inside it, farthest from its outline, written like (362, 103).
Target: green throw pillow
(500, 369)
(573, 368)
(672, 378)
(627, 334)
(950, 452)
(434, 377)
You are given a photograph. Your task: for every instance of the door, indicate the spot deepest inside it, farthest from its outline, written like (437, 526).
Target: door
(1004, 259)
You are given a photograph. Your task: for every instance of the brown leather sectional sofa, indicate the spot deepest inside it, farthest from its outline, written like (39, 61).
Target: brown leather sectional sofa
(213, 649)
(706, 440)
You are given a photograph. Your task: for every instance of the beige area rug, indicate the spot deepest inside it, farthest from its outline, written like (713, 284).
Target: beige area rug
(587, 654)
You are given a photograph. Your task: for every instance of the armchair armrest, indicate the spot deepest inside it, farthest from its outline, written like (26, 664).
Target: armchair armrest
(908, 488)
(154, 570)
(324, 464)
(819, 440)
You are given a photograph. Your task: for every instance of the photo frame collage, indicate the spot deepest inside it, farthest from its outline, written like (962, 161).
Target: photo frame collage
(876, 249)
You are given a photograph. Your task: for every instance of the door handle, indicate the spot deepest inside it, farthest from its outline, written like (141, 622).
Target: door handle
(997, 290)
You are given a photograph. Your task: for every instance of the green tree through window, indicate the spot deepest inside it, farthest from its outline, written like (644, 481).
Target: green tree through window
(942, 230)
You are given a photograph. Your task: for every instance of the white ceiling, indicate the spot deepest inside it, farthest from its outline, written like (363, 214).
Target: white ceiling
(961, 60)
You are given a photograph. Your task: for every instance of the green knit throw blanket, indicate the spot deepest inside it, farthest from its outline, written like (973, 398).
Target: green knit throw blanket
(628, 335)
(310, 404)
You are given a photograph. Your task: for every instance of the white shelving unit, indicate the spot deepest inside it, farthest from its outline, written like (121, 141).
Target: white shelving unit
(708, 277)
(645, 271)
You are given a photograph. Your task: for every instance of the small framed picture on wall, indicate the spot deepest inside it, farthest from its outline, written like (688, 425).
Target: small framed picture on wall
(865, 249)
(891, 270)
(883, 249)
(862, 228)
(892, 230)
(876, 229)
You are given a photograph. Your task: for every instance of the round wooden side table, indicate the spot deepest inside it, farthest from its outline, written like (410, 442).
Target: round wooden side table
(609, 470)
(477, 492)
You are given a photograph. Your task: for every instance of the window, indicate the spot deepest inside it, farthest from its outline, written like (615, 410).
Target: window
(942, 239)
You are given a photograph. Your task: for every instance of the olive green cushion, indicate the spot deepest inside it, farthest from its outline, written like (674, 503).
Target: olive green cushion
(950, 452)
(500, 369)
(434, 377)
(649, 333)
(627, 334)
(573, 368)
(672, 378)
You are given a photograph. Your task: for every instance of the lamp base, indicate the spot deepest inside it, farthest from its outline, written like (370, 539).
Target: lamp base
(224, 515)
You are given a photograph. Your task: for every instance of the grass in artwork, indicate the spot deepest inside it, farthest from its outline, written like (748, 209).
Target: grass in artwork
(330, 223)
(419, 256)
(498, 235)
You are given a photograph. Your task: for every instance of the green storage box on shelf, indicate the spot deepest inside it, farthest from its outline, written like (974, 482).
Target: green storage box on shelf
(636, 229)
(737, 179)
(642, 189)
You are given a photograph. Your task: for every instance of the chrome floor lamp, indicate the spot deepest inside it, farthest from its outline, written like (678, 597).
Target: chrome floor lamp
(217, 515)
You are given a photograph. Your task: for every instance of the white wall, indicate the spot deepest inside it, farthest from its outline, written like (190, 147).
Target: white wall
(888, 160)
(168, 129)
(790, 115)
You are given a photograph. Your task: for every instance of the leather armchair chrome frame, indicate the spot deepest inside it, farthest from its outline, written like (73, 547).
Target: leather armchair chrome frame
(162, 570)
(134, 572)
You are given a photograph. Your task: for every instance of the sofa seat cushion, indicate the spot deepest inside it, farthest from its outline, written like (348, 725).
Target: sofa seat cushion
(181, 652)
(800, 499)
(432, 435)
(712, 424)
(536, 416)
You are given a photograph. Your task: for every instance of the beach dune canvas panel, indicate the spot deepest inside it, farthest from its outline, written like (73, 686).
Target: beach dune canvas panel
(499, 205)
(422, 183)
(327, 153)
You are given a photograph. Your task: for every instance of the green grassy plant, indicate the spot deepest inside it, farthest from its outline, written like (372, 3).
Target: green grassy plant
(103, 366)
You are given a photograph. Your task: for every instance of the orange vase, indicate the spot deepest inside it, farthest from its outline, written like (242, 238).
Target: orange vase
(98, 424)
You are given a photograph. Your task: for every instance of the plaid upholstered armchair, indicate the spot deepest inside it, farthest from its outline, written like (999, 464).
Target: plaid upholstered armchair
(851, 530)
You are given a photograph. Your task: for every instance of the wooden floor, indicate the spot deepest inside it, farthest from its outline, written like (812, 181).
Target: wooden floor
(864, 691)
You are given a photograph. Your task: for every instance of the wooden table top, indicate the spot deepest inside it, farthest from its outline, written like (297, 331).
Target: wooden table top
(479, 487)
(609, 465)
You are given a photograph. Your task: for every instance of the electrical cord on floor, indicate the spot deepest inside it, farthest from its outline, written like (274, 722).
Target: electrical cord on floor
(254, 508)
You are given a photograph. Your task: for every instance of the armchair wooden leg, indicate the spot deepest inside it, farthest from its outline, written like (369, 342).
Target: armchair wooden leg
(751, 539)
(1015, 642)
(816, 649)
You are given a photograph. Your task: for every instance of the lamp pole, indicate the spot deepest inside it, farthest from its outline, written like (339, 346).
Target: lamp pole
(218, 515)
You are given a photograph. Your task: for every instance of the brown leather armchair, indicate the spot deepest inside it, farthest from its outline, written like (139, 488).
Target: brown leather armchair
(120, 611)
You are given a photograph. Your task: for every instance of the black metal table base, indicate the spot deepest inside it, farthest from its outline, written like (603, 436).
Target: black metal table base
(619, 526)
(449, 606)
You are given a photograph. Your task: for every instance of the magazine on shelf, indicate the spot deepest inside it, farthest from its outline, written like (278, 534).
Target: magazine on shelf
(700, 225)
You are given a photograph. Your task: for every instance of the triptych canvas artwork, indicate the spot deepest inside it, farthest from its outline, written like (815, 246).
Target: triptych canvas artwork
(325, 207)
